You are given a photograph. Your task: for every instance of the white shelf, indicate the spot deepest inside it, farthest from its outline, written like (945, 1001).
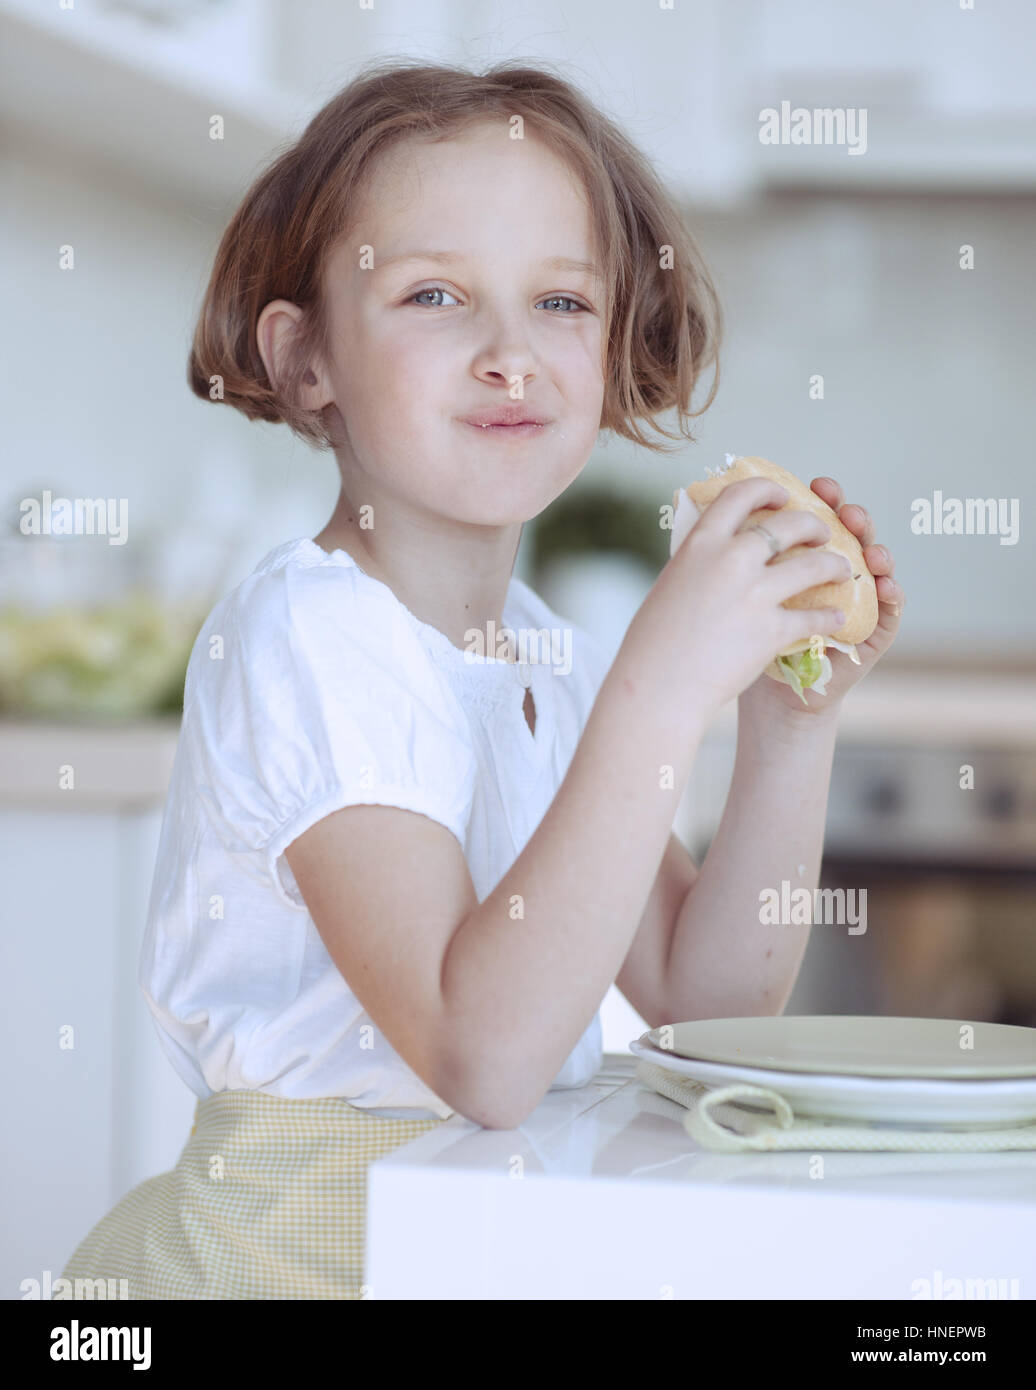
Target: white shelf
(912, 153)
(88, 85)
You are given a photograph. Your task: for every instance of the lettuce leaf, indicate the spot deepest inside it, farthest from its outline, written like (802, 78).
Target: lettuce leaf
(809, 669)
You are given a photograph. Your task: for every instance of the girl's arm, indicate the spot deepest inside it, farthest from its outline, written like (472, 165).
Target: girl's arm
(485, 1000)
(526, 969)
(723, 961)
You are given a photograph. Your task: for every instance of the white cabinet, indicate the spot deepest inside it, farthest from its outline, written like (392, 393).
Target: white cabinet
(948, 91)
(91, 1105)
(184, 109)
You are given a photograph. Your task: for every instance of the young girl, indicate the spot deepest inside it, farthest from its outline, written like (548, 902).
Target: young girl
(399, 868)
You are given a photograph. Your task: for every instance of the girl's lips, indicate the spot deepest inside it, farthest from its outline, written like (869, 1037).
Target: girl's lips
(510, 431)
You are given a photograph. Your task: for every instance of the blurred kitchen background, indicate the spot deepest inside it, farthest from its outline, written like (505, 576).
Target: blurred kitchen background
(846, 266)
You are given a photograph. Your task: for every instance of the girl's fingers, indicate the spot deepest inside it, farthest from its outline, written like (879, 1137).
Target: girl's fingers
(852, 516)
(879, 561)
(857, 520)
(828, 491)
(890, 592)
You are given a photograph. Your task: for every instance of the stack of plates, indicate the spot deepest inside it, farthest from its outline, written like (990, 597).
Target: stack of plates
(920, 1072)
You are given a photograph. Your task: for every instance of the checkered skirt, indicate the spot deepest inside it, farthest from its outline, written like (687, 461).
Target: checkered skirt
(267, 1200)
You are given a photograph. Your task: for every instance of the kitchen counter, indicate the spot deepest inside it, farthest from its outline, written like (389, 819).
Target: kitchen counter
(116, 766)
(129, 764)
(926, 706)
(603, 1194)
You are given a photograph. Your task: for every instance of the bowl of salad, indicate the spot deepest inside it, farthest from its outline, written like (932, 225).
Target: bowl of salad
(87, 633)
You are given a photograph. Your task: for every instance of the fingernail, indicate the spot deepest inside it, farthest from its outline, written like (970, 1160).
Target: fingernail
(883, 551)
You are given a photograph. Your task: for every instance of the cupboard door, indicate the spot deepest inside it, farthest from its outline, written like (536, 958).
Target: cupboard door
(61, 905)
(93, 1106)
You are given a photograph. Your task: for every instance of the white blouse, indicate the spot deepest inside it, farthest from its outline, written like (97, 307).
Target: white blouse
(312, 687)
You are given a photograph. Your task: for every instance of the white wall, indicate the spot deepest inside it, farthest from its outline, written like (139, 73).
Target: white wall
(94, 391)
(927, 384)
(927, 374)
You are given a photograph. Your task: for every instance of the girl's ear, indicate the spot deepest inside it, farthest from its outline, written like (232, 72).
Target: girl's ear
(274, 333)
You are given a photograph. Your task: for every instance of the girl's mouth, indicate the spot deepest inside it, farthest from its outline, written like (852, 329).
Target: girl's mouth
(523, 431)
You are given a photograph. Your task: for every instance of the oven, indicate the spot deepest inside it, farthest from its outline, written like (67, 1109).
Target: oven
(940, 834)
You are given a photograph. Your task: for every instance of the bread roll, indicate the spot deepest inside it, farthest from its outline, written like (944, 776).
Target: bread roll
(856, 596)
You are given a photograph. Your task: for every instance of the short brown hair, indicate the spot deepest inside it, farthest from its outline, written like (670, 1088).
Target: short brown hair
(662, 326)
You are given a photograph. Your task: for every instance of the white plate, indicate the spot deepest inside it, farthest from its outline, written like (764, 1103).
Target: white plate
(938, 1049)
(906, 1102)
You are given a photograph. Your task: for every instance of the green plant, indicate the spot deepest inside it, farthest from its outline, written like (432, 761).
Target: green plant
(596, 519)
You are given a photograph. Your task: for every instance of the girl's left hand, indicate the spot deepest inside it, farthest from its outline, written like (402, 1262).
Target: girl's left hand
(766, 694)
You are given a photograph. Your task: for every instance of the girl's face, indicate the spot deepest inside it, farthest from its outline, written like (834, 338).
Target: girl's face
(419, 343)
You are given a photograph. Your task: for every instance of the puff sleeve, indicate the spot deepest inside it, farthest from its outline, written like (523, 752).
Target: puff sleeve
(307, 691)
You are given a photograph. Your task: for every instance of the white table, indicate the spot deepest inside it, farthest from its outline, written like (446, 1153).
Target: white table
(602, 1194)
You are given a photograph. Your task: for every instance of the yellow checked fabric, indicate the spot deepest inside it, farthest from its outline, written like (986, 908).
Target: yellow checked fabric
(267, 1200)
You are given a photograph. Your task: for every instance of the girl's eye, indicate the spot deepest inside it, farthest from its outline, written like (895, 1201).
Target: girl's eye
(437, 289)
(564, 299)
(551, 299)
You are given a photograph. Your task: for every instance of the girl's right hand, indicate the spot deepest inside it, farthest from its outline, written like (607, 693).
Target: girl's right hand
(714, 616)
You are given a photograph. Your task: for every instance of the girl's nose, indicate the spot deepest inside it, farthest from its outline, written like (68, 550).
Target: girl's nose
(506, 348)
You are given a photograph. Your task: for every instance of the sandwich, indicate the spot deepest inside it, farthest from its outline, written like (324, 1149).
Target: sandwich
(803, 665)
